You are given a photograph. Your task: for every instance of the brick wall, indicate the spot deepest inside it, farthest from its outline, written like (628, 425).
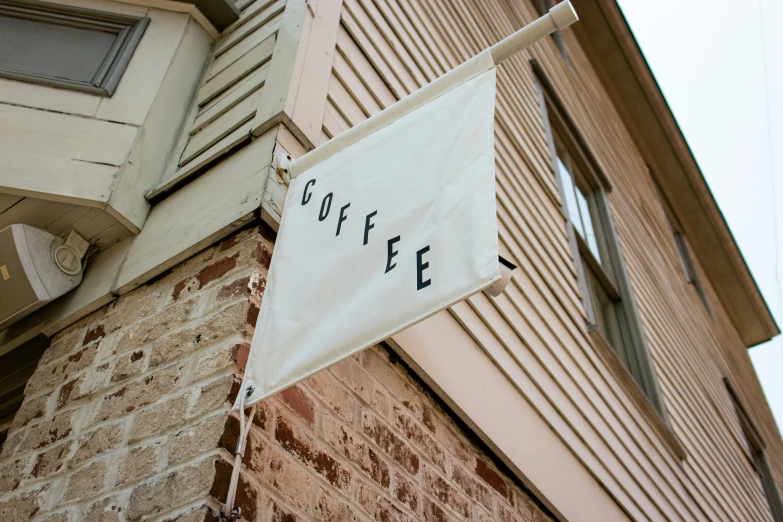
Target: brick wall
(127, 418)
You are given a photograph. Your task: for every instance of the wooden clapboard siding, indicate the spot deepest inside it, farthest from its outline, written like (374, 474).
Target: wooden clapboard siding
(385, 50)
(231, 91)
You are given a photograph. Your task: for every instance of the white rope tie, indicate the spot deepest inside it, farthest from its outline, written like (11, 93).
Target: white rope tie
(229, 511)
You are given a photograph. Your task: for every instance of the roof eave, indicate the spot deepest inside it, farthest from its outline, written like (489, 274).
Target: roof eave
(611, 47)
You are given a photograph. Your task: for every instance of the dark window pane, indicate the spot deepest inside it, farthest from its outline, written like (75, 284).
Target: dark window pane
(606, 320)
(51, 50)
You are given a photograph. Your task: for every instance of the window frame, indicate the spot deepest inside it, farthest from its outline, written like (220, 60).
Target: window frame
(681, 246)
(128, 31)
(635, 357)
(758, 455)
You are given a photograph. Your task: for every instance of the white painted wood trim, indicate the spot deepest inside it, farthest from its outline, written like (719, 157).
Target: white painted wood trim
(479, 392)
(227, 196)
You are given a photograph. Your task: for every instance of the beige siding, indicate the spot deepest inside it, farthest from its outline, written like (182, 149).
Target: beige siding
(386, 50)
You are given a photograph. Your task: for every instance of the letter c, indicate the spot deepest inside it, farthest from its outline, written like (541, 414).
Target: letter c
(306, 195)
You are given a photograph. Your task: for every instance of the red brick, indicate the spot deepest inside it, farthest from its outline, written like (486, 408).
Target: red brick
(289, 479)
(420, 439)
(331, 509)
(303, 448)
(140, 392)
(299, 401)
(525, 507)
(406, 492)
(329, 390)
(505, 514)
(51, 460)
(49, 431)
(12, 472)
(128, 366)
(445, 435)
(390, 443)
(281, 514)
(243, 352)
(60, 372)
(262, 254)
(249, 497)
(465, 482)
(264, 417)
(62, 344)
(23, 506)
(205, 276)
(65, 393)
(401, 388)
(233, 290)
(252, 315)
(229, 243)
(345, 442)
(432, 512)
(440, 489)
(427, 418)
(378, 506)
(493, 479)
(93, 335)
(32, 408)
(357, 379)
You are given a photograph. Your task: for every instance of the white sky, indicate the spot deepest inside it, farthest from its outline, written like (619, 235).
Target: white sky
(709, 59)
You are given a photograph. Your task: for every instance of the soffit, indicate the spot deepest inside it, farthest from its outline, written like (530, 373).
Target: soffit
(220, 13)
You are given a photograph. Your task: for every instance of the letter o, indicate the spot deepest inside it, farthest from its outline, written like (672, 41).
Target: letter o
(325, 207)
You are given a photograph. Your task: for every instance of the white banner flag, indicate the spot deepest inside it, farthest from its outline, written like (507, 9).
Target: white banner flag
(393, 228)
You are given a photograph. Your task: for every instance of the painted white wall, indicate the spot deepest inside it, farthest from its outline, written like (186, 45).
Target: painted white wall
(720, 65)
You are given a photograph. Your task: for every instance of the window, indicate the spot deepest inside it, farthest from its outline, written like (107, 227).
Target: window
(543, 7)
(757, 454)
(66, 47)
(683, 251)
(608, 301)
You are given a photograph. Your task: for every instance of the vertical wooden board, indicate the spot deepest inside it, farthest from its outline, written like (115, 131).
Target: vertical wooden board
(285, 68)
(309, 103)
